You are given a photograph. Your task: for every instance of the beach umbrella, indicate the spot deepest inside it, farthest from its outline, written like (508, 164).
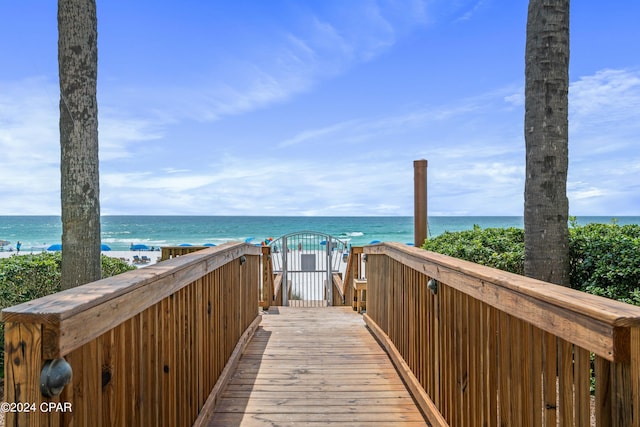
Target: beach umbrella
(208, 244)
(374, 241)
(55, 247)
(139, 247)
(186, 244)
(248, 239)
(104, 247)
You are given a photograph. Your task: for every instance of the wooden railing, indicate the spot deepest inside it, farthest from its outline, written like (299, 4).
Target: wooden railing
(337, 296)
(169, 252)
(355, 270)
(267, 290)
(146, 347)
(480, 346)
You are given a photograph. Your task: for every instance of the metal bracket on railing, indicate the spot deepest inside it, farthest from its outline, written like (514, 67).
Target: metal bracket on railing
(432, 284)
(54, 376)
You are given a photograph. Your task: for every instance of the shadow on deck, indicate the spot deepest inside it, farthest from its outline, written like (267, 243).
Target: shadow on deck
(314, 365)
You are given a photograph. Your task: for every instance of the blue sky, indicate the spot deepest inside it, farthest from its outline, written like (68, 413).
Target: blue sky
(286, 107)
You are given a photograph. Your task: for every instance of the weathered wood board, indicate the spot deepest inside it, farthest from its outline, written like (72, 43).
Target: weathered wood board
(315, 365)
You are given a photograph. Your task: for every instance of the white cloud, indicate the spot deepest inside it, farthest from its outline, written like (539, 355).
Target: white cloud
(604, 124)
(469, 12)
(316, 48)
(117, 134)
(613, 92)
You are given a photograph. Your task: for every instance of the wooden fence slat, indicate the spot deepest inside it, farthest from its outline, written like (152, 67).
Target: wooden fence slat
(537, 370)
(582, 368)
(635, 375)
(476, 354)
(505, 370)
(621, 395)
(517, 372)
(603, 391)
(550, 378)
(565, 380)
(492, 368)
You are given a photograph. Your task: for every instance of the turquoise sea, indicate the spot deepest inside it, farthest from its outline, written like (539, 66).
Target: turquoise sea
(38, 232)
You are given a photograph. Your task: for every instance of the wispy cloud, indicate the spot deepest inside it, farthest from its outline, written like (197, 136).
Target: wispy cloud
(470, 11)
(317, 47)
(29, 143)
(361, 129)
(612, 90)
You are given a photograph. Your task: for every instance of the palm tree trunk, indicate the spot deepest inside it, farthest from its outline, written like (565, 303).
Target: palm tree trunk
(546, 207)
(80, 187)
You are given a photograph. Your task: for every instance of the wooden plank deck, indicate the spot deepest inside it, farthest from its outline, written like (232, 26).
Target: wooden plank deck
(315, 366)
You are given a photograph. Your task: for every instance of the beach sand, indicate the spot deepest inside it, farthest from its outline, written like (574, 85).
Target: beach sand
(127, 256)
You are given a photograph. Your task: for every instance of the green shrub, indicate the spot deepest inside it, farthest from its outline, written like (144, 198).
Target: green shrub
(605, 258)
(27, 277)
(501, 248)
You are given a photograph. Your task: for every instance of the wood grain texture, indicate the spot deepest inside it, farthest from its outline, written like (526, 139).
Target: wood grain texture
(315, 365)
(158, 360)
(504, 349)
(597, 323)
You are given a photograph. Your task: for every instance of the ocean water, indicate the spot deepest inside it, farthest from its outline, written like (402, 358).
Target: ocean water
(38, 232)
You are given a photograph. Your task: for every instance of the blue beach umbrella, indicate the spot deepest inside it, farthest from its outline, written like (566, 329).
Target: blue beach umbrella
(186, 244)
(374, 241)
(209, 244)
(139, 247)
(248, 239)
(104, 247)
(56, 247)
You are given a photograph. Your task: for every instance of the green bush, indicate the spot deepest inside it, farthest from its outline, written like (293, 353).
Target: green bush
(605, 258)
(27, 277)
(501, 248)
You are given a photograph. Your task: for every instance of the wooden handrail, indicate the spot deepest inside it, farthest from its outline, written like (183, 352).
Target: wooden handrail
(495, 348)
(590, 321)
(74, 317)
(169, 252)
(146, 347)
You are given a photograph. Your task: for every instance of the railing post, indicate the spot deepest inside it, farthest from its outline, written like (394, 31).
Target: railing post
(267, 278)
(23, 363)
(420, 201)
(635, 375)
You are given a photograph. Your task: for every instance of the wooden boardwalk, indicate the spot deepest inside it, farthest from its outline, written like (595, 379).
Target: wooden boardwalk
(315, 366)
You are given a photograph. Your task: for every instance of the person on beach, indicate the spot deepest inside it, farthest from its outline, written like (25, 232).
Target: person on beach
(18, 246)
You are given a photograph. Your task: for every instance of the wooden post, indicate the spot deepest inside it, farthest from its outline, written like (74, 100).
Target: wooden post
(23, 363)
(267, 278)
(420, 201)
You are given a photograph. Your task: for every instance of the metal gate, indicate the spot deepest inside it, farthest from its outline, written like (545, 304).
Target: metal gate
(307, 260)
